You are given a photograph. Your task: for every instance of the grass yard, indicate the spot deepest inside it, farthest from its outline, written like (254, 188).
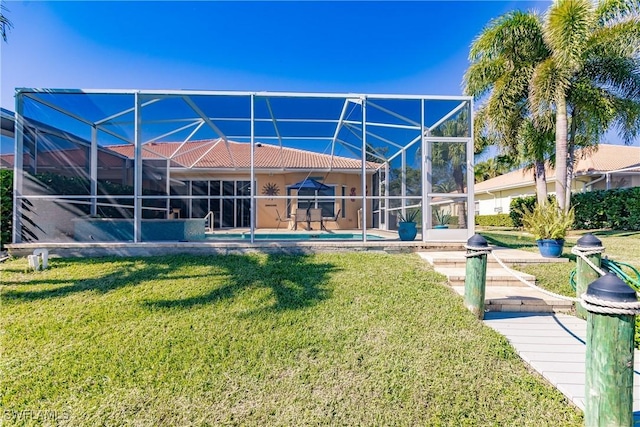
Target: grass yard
(329, 339)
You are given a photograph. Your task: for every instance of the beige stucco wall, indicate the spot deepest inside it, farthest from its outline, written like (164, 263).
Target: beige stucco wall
(269, 207)
(267, 216)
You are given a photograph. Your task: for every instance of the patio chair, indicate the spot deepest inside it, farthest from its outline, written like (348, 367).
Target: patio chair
(333, 219)
(281, 220)
(315, 215)
(302, 215)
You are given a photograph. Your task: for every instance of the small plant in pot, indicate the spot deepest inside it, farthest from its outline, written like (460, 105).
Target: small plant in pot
(441, 218)
(548, 224)
(407, 229)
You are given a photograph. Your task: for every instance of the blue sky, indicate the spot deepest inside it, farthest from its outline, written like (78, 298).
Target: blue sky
(417, 47)
(414, 47)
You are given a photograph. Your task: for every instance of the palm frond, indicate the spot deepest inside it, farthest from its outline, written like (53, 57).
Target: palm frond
(568, 26)
(609, 12)
(5, 24)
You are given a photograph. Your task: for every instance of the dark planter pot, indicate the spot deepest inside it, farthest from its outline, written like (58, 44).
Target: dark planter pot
(407, 230)
(440, 226)
(550, 248)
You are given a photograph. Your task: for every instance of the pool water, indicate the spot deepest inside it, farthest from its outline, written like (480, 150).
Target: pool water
(292, 236)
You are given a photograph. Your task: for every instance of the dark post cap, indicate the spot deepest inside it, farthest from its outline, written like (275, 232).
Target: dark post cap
(611, 288)
(477, 241)
(589, 241)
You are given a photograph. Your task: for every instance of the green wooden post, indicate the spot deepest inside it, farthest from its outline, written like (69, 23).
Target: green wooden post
(585, 274)
(476, 274)
(609, 356)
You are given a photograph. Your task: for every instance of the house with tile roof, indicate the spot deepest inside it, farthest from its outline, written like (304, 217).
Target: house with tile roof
(217, 172)
(608, 166)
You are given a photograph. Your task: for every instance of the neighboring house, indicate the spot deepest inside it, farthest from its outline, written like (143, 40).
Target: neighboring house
(611, 166)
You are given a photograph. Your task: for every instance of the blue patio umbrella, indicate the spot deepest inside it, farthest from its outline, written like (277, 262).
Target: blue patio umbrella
(310, 184)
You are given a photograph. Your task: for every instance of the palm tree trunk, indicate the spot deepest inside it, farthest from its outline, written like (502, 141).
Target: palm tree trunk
(561, 151)
(459, 178)
(571, 147)
(541, 182)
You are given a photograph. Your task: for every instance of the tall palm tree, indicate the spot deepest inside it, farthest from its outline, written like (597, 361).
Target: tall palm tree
(504, 58)
(590, 79)
(573, 71)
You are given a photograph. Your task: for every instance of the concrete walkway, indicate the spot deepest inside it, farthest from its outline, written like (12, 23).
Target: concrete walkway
(555, 346)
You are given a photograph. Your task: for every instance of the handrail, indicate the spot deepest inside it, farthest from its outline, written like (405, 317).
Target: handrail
(209, 222)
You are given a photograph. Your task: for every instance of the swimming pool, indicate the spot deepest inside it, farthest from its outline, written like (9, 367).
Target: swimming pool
(291, 236)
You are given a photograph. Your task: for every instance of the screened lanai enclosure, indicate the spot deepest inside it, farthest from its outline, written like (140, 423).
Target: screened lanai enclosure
(209, 166)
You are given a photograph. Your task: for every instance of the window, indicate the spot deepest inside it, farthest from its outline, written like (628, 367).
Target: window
(307, 198)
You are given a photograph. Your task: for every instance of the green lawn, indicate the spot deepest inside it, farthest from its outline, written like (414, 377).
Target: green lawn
(329, 339)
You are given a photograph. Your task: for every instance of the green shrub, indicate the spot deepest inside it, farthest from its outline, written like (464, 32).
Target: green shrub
(618, 209)
(590, 210)
(6, 206)
(497, 220)
(517, 206)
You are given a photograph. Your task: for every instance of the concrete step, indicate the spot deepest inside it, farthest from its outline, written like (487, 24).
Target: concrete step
(495, 277)
(521, 299)
(503, 291)
(511, 257)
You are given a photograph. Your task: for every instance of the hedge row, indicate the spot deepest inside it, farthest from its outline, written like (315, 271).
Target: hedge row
(618, 209)
(498, 220)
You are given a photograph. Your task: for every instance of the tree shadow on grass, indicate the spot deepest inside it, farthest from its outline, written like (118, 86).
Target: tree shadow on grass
(615, 233)
(509, 241)
(131, 272)
(294, 280)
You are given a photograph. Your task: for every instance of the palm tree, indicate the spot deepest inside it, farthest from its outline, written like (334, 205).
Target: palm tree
(590, 80)
(535, 145)
(578, 77)
(504, 57)
(5, 24)
(492, 167)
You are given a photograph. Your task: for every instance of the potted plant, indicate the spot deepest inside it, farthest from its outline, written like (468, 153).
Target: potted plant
(407, 229)
(441, 218)
(548, 224)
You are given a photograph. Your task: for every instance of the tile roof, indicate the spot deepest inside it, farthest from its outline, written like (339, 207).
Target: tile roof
(215, 154)
(589, 162)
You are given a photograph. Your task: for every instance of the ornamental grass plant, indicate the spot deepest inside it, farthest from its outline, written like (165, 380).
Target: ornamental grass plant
(547, 221)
